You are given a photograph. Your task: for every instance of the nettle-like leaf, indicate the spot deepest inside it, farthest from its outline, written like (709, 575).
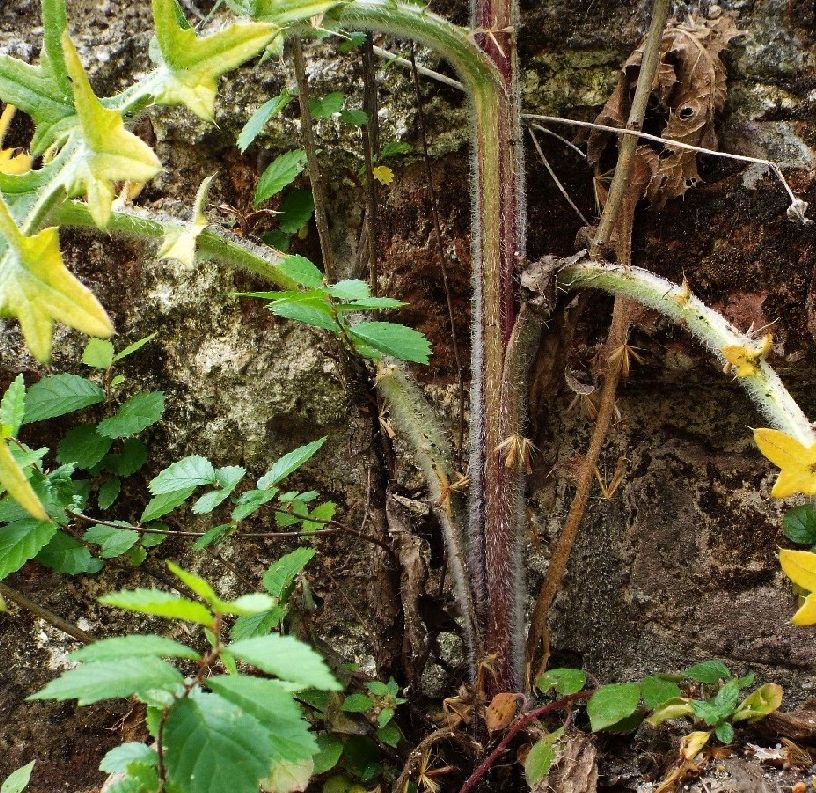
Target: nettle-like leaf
(14, 480)
(180, 241)
(107, 152)
(36, 288)
(190, 65)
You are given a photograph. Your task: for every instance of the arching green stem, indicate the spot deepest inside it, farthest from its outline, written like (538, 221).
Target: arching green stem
(711, 328)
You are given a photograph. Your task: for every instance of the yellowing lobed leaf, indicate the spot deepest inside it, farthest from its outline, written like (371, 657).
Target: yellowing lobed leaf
(36, 287)
(796, 461)
(13, 479)
(800, 567)
(193, 64)
(108, 152)
(180, 242)
(11, 163)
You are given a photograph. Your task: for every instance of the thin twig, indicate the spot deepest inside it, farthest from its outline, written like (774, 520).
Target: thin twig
(569, 144)
(315, 177)
(555, 178)
(519, 725)
(443, 261)
(423, 70)
(425, 745)
(43, 613)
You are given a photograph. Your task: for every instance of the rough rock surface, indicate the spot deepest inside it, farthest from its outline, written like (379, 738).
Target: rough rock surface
(679, 565)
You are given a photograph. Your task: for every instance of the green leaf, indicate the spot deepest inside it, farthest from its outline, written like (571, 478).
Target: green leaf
(64, 554)
(124, 677)
(324, 107)
(657, 690)
(296, 210)
(329, 749)
(13, 478)
(84, 446)
(12, 408)
(282, 573)
(59, 394)
(18, 780)
(228, 479)
(108, 492)
(116, 761)
(258, 120)
(113, 542)
(212, 745)
(371, 304)
(193, 64)
(98, 353)
(612, 703)
(760, 703)
(390, 734)
(132, 457)
(707, 672)
(357, 703)
(22, 541)
(258, 624)
(196, 583)
(162, 604)
(189, 472)
(321, 514)
(275, 708)
(389, 338)
(140, 645)
(250, 502)
(350, 289)
(799, 524)
(290, 463)
(280, 173)
(564, 681)
(302, 270)
(541, 757)
(357, 118)
(724, 732)
(164, 503)
(138, 413)
(134, 347)
(672, 709)
(352, 41)
(288, 658)
(307, 309)
(393, 148)
(212, 535)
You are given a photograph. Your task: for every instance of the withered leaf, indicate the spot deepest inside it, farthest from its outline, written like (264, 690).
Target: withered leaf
(501, 710)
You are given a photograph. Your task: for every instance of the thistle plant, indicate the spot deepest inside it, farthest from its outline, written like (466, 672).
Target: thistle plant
(88, 151)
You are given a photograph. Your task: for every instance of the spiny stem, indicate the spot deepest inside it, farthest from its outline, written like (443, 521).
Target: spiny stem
(315, 175)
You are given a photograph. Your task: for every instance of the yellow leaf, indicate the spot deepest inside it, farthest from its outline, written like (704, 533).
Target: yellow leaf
(692, 744)
(108, 152)
(383, 174)
(796, 461)
(800, 567)
(13, 478)
(36, 287)
(806, 615)
(11, 163)
(179, 242)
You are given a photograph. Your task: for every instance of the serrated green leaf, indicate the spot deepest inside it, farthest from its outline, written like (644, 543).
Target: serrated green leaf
(357, 703)
(296, 210)
(64, 554)
(357, 118)
(127, 462)
(657, 690)
(161, 505)
(250, 502)
(113, 542)
(193, 64)
(287, 658)
(724, 732)
(707, 672)
(350, 289)
(326, 106)
(563, 681)
(329, 749)
(282, 572)
(258, 120)
(195, 582)
(84, 446)
(799, 524)
(612, 703)
(393, 148)
(314, 311)
(14, 480)
(321, 515)
(390, 735)
(290, 463)
(302, 270)
(275, 708)
(22, 541)
(91, 683)
(228, 479)
(138, 413)
(259, 624)
(18, 780)
(212, 535)
(212, 745)
(189, 472)
(12, 408)
(116, 761)
(160, 603)
(108, 492)
(98, 353)
(540, 758)
(390, 338)
(136, 646)
(371, 304)
(58, 394)
(280, 173)
(134, 347)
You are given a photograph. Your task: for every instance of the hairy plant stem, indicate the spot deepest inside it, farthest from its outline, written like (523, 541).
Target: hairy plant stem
(617, 218)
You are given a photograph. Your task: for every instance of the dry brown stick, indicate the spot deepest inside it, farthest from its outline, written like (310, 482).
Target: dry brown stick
(616, 339)
(315, 177)
(437, 736)
(43, 613)
(443, 262)
(371, 150)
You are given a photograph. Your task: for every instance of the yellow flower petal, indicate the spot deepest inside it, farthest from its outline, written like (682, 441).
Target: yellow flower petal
(383, 174)
(796, 461)
(800, 567)
(807, 612)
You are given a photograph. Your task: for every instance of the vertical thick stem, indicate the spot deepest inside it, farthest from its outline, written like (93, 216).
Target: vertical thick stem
(498, 240)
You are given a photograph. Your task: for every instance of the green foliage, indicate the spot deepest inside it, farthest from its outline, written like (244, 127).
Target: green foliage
(18, 780)
(562, 681)
(280, 173)
(799, 525)
(541, 756)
